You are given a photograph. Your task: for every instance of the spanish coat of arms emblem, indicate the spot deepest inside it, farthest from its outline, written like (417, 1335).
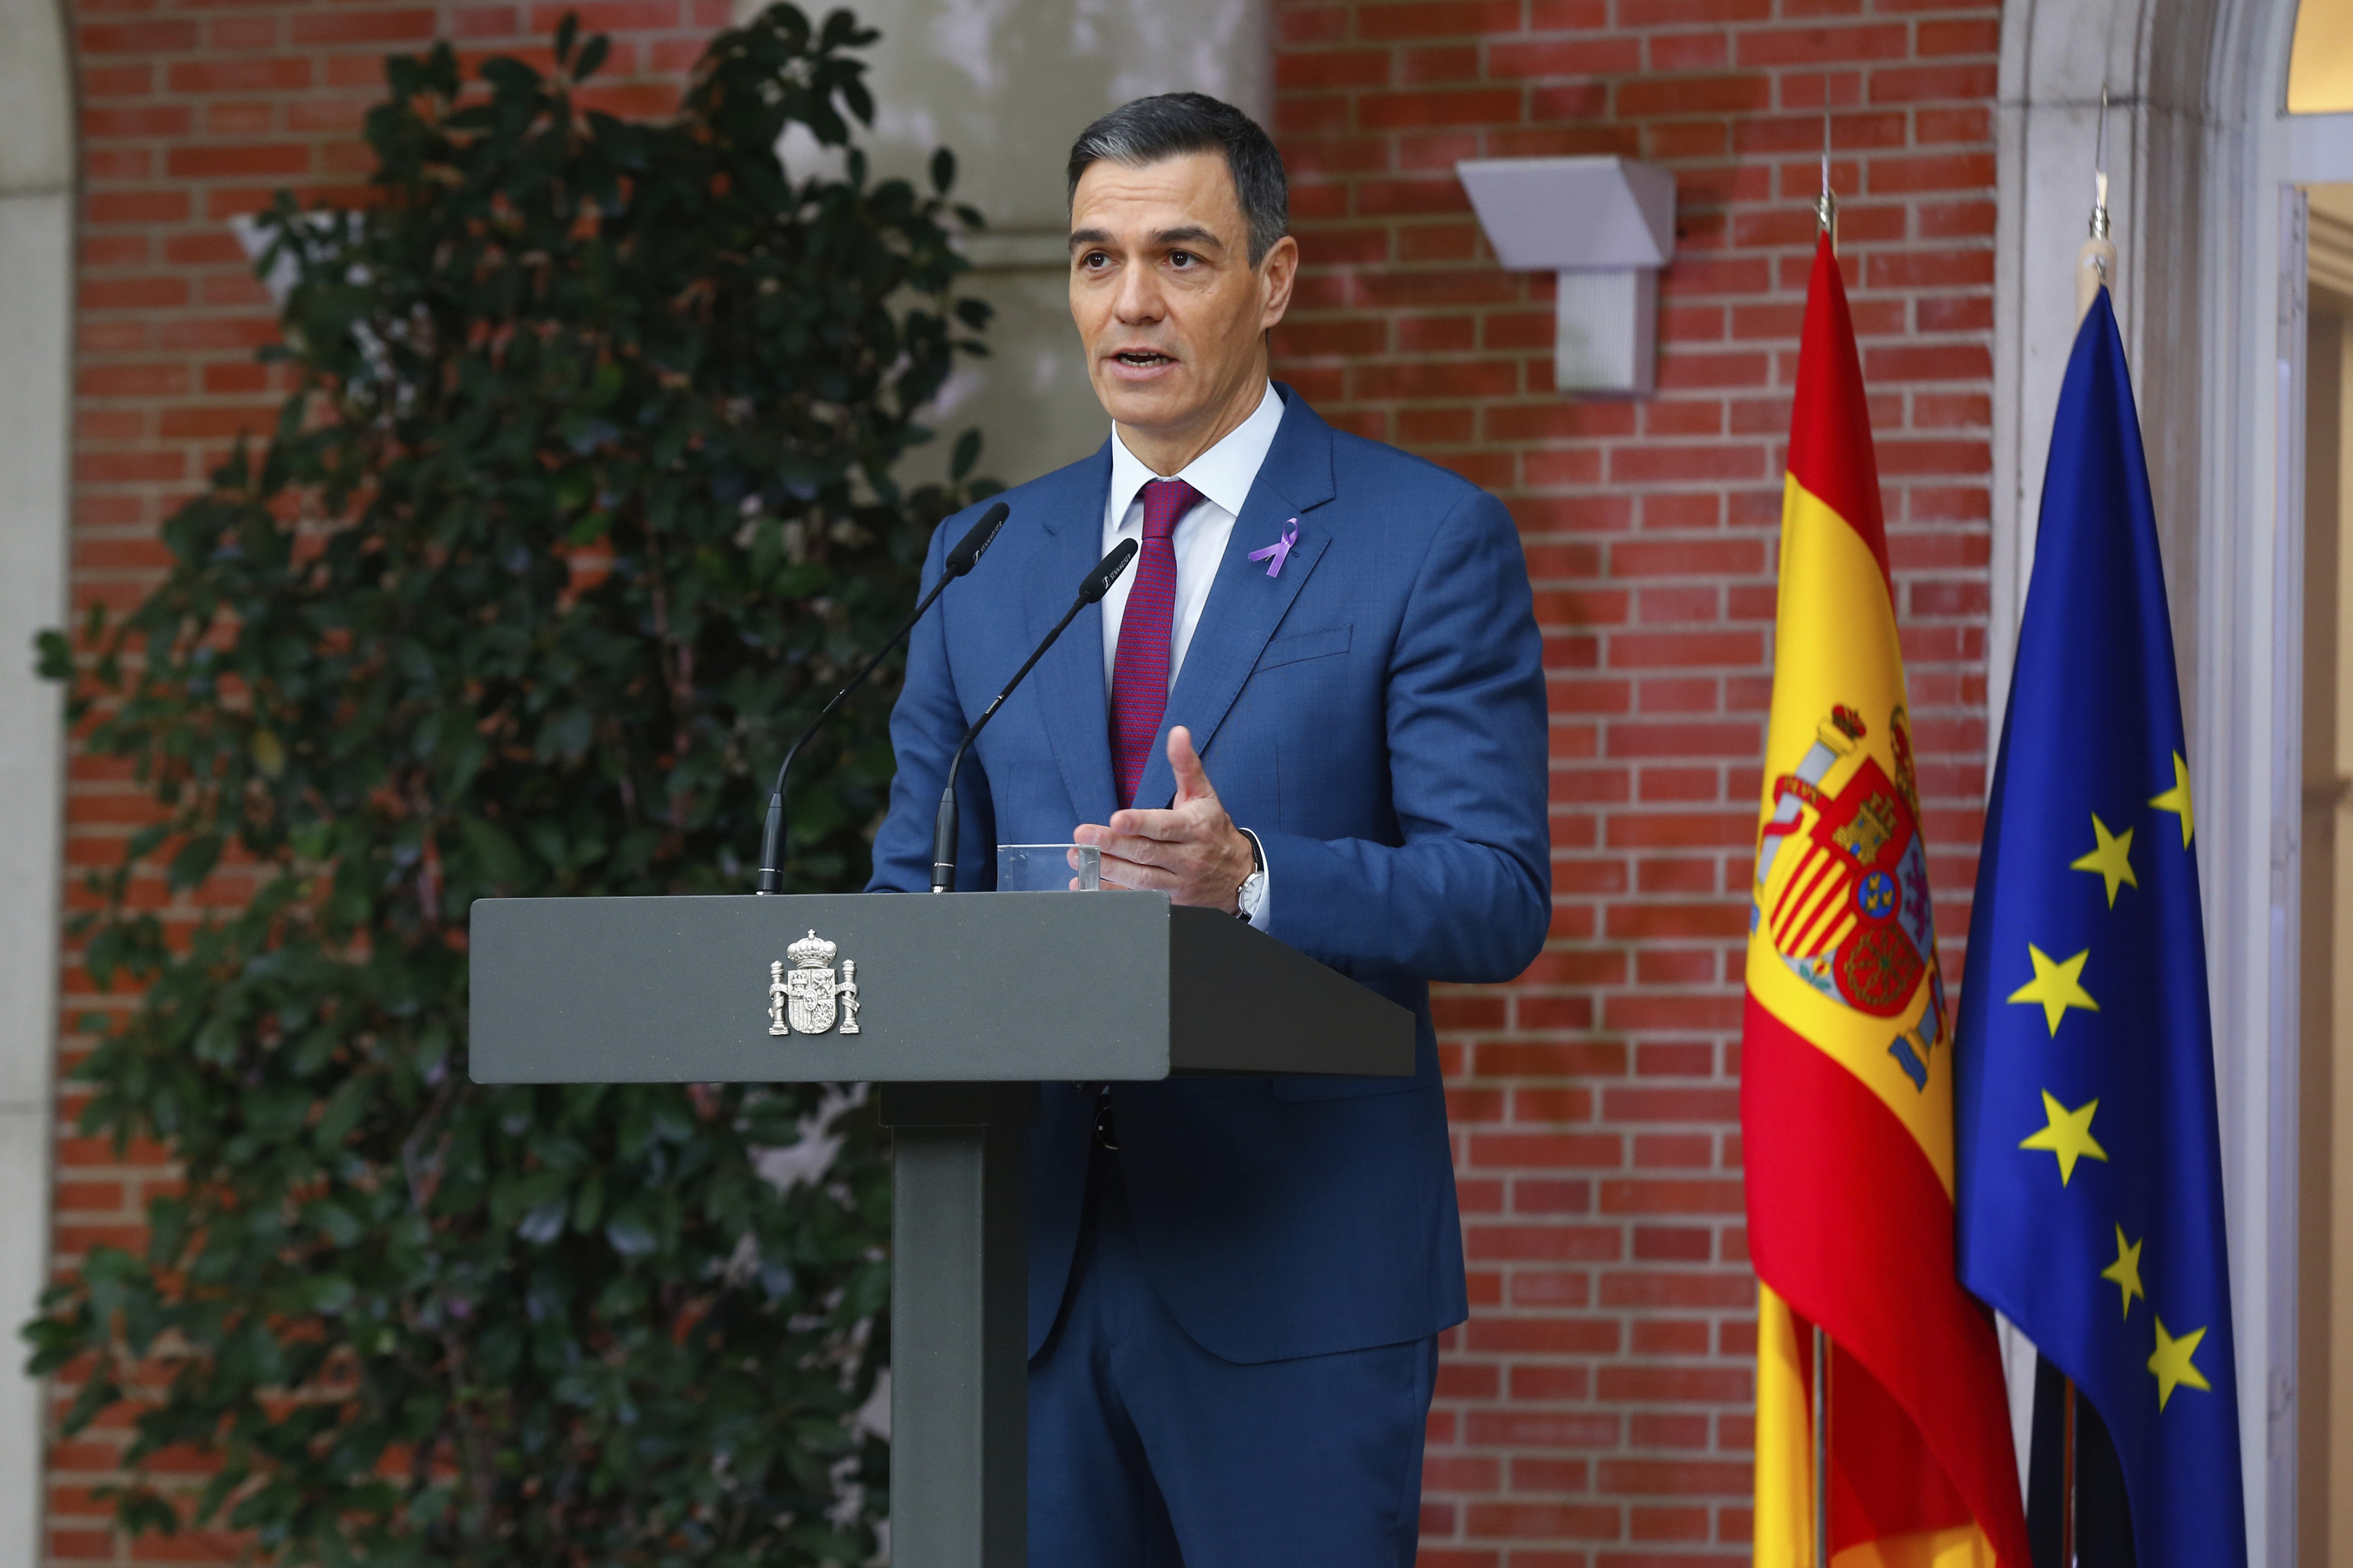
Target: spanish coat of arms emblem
(1841, 887)
(805, 998)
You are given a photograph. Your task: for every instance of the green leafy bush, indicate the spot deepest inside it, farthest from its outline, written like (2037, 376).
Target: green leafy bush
(581, 504)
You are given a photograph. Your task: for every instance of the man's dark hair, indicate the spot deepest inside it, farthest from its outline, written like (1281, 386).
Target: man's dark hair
(1175, 123)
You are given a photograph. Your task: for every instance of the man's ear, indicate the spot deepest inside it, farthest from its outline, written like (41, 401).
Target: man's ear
(1278, 270)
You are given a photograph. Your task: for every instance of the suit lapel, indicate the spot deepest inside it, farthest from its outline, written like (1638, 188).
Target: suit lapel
(1071, 678)
(1245, 605)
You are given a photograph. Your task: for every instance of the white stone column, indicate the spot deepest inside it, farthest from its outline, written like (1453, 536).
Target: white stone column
(36, 389)
(1007, 85)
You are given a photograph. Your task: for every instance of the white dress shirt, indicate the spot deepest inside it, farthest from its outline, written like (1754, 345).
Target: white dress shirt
(1223, 475)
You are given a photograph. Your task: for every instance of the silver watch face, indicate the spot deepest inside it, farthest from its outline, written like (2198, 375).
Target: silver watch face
(1251, 892)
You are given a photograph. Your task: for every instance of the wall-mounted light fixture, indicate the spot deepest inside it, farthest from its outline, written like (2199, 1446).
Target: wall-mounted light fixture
(1605, 226)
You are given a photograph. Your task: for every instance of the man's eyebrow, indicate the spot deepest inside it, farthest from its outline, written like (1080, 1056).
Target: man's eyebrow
(1187, 234)
(1191, 233)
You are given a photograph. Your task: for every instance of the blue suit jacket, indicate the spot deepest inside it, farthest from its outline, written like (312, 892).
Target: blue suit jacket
(1376, 714)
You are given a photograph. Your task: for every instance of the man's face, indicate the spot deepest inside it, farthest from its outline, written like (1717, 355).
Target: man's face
(1171, 311)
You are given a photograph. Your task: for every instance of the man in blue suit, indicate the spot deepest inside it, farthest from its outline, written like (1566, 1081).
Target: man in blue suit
(1236, 1286)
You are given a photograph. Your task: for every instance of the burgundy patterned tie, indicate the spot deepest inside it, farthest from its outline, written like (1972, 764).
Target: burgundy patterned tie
(1139, 681)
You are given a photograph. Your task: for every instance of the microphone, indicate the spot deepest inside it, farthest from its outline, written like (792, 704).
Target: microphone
(943, 828)
(959, 561)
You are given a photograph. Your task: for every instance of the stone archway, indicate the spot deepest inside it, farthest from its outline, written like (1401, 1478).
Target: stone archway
(2203, 165)
(36, 185)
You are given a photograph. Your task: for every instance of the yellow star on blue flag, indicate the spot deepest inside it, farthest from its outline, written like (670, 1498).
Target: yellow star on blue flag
(2117, 1270)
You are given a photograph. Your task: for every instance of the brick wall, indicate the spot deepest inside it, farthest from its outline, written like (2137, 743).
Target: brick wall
(1596, 1410)
(191, 113)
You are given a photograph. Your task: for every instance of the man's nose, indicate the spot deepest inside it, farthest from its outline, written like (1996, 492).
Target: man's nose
(1139, 298)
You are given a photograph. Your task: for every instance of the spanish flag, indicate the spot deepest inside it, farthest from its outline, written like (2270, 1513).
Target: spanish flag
(1846, 1059)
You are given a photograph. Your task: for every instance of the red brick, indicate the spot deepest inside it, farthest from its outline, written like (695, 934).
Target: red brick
(372, 26)
(1657, 1478)
(1718, 1106)
(1959, 35)
(1730, 94)
(141, 207)
(249, 162)
(1672, 1384)
(1658, 1196)
(1438, 64)
(1810, 45)
(1456, 106)
(1438, 378)
(148, 38)
(1557, 1151)
(151, 291)
(1548, 1195)
(1687, 462)
(1670, 1523)
(133, 80)
(1956, 219)
(1677, 1337)
(1564, 57)
(1654, 14)
(1542, 1521)
(1541, 1429)
(242, 118)
(1390, 19)
(1689, 51)
(152, 119)
(608, 16)
(259, 74)
(1333, 67)
(1919, 84)
(1683, 650)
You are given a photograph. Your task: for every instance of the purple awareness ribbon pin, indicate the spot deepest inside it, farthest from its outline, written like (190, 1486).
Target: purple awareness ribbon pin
(1280, 550)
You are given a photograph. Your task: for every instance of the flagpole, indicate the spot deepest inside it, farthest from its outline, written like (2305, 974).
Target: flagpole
(2096, 263)
(1821, 1448)
(1826, 214)
(2095, 268)
(2067, 1482)
(1826, 204)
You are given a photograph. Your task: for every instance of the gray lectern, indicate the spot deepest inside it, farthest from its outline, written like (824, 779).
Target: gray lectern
(956, 1004)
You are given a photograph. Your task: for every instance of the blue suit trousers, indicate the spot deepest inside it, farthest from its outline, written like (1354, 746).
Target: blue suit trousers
(1148, 1451)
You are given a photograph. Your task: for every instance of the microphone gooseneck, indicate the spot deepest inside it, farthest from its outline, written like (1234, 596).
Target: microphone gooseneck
(944, 826)
(959, 561)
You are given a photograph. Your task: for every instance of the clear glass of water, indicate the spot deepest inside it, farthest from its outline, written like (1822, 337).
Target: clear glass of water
(1049, 868)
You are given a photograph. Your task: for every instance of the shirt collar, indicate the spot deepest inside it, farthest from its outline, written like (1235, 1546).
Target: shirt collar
(1223, 474)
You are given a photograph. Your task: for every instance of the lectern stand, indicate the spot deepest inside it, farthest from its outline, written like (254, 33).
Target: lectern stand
(957, 1005)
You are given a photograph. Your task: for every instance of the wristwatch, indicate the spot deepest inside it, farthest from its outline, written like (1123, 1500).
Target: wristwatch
(1250, 897)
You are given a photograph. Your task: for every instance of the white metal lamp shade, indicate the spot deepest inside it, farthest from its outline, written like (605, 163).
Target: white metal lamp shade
(1604, 226)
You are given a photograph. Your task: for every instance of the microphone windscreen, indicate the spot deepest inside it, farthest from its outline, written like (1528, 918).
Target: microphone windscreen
(1098, 581)
(977, 538)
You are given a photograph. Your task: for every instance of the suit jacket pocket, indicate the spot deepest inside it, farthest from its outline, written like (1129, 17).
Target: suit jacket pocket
(1339, 1086)
(1320, 644)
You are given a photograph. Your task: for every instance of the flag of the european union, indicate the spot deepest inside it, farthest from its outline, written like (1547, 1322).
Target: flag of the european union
(2089, 1161)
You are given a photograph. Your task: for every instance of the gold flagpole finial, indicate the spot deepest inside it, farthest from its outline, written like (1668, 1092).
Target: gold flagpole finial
(1826, 204)
(2096, 263)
